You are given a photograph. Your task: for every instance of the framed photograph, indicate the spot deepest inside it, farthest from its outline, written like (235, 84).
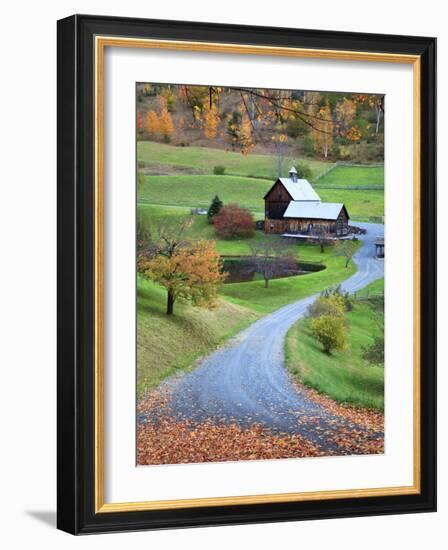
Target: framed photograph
(236, 343)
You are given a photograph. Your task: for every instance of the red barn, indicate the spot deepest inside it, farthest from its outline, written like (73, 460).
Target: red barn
(293, 207)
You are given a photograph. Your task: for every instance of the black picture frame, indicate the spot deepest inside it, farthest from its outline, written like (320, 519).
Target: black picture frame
(76, 250)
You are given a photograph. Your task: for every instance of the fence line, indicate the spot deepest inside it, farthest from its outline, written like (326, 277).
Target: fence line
(358, 165)
(350, 187)
(325, 172)
(370, 219)
(365, 296)
(348, 164)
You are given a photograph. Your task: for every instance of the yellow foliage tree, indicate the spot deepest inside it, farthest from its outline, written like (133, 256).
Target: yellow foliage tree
(345, 113)
(161, 103)
(322, 130)
(330, 331)
(211, 121)
(245, 135)
(327, 305)
(166, 125)
(193, 273)
(152, 124)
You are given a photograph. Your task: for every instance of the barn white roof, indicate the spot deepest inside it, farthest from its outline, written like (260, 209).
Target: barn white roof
(300, 190)
(313, 210)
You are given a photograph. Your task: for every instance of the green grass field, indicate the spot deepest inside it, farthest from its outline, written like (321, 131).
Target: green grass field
(166, 345)
(374, 289)
(360, 204)
(353, 176)
(344, 376)
(199, 190)
(205, 158)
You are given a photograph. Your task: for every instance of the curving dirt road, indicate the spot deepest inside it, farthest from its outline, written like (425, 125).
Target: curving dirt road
(246, 381)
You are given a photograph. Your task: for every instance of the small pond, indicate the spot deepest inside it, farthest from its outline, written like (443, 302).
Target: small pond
(243, 270)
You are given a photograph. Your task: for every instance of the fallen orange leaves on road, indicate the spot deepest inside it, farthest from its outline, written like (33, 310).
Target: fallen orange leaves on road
(163, 439)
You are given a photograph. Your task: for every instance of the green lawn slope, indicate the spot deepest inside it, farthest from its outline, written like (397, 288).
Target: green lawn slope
(199, 190)
(353, 176)
(361, 204)
(344, 376)
(206, 158)
(168, 344)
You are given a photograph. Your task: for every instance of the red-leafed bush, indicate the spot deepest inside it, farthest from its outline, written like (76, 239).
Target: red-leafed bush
(233, 221)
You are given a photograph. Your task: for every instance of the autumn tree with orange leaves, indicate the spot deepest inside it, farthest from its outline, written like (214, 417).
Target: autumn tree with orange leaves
(188, 271)
(152, 125)
(191, 274)
(211, 121)
(166, 125)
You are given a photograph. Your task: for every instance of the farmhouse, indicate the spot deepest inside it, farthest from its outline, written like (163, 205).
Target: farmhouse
(293, 207)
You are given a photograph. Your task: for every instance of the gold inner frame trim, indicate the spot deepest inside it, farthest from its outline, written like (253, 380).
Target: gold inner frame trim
(101, 42)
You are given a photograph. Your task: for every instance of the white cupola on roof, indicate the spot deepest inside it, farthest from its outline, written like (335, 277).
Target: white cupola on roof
(293, 173)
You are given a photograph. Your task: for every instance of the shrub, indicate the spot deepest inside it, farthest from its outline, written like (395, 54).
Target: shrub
(303, 171)
(367, 152)
(219, 170)
(233, 221)
(140, 181)
(337, 291)
(330, 331)
(375, 352)
(170, 102)
(295, 127)
(327, 305)
(308, 146)
(344, 152)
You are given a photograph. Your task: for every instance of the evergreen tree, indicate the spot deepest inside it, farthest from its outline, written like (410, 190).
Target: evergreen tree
(214, 208)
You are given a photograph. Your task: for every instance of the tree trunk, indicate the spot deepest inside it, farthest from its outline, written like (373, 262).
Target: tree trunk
(170, 303)
(266, 283)
(378, 117)
(347, 261)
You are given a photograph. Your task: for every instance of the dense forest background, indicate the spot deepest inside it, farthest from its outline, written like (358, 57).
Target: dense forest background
(330, 126)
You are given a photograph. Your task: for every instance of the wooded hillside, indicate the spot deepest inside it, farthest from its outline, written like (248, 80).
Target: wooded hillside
(320, 125)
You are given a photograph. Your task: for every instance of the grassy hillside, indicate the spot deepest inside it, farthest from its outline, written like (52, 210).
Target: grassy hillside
(344, 376)
(374, 289)
(199, 190)
(360, 204)
(205, 158)
(166, 344)
(353, 176)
